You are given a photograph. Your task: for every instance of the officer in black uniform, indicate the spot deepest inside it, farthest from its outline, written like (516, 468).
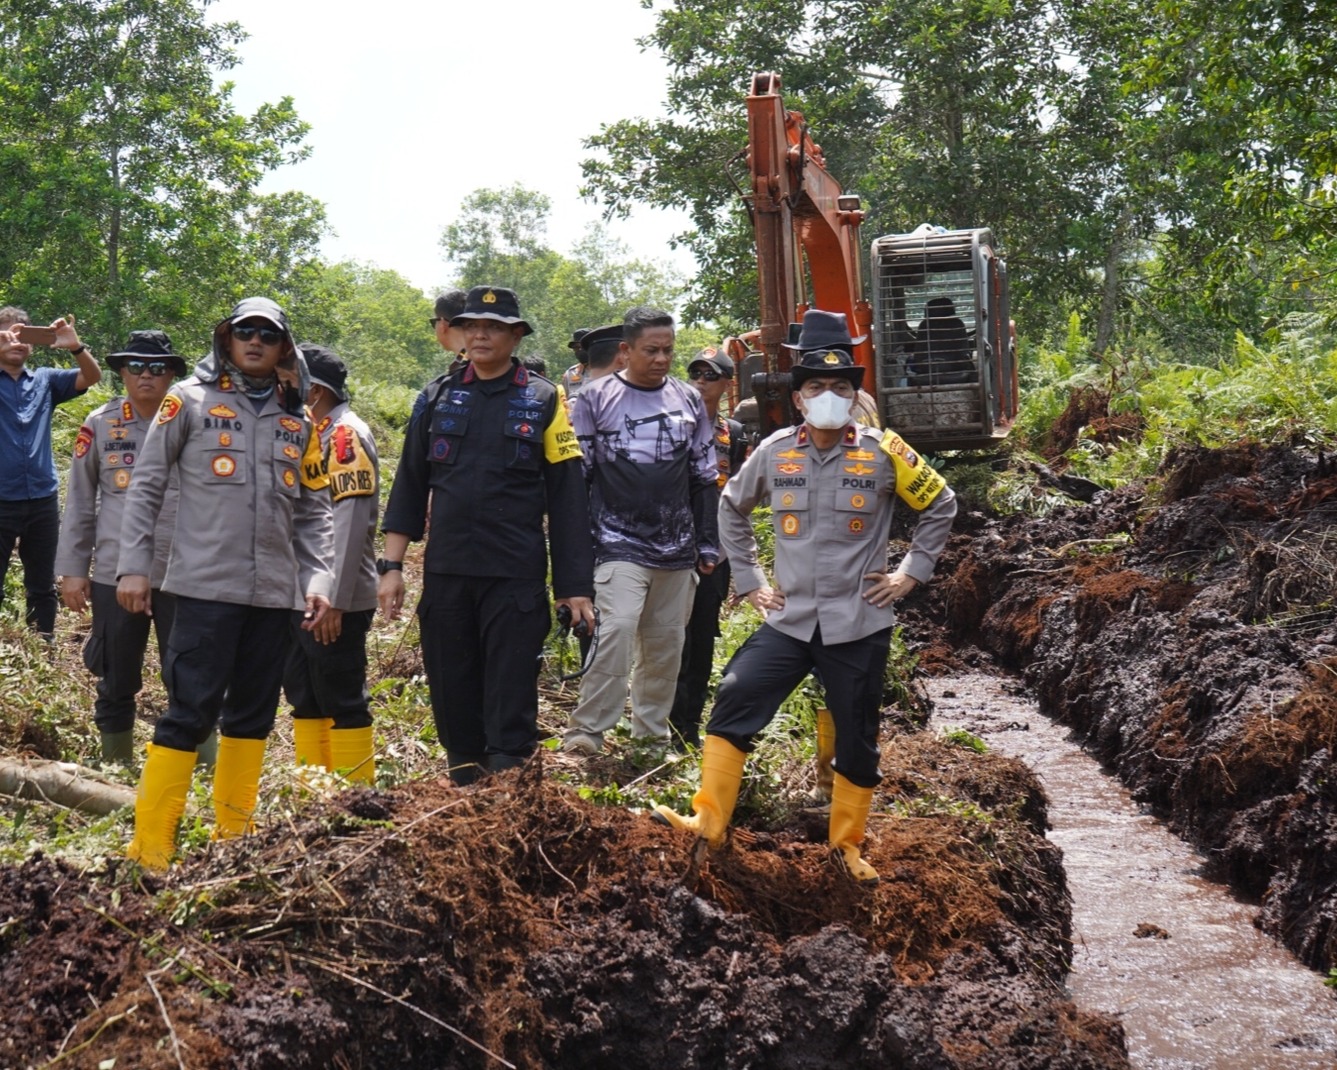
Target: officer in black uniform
(494, 454)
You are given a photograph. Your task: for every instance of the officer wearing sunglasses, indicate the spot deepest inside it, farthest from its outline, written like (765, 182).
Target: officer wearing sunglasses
(105, 452)
(254, 541)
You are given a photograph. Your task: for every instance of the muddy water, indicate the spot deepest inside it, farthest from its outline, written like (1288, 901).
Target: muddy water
(1212, 993)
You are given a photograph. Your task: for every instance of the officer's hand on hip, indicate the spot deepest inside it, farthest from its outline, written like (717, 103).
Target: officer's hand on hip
(582, 610)
(331, 626)
(74, 592)
(765, 599)
(390, 594)
(134, 595)
(317, 609)
(888, 587)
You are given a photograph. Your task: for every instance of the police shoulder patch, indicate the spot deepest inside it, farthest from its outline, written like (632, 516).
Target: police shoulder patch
(314, 476)
(559, 438)
(349, 468)
(917, 483)
(169, 409)
(83, 441)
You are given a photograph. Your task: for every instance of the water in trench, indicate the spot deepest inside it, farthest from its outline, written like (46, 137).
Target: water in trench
(1212, 993)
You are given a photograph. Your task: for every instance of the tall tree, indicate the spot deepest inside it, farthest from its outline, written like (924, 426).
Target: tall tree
(127, 179)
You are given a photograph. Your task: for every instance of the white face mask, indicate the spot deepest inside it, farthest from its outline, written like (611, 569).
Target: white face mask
(828, 410)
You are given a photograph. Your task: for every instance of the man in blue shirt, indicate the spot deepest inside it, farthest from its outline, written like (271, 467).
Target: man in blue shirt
(29, 509)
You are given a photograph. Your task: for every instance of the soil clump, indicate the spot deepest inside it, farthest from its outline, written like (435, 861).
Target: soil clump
(1185, 629)
(515, 923)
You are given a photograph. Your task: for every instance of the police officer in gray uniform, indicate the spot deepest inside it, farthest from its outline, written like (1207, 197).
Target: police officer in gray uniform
(105, 451)
(831, 484)
(326, 677)
(253, 542)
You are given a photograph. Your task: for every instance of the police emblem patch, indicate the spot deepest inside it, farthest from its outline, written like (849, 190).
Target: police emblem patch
(121, 479)
(441, 449)
(127, 458)
(113, 459)
(223, 465)
(859, 469)
(225, 438)
(787, 500)
(292, 453)
(857, 501)
(489, 298)
(792, 454)
(856, 525)
(167, 411)
(289, 424)
(789, 524)
(83, 441)
(289, 477)
(222, 412)
(789, 468)
(860, 455)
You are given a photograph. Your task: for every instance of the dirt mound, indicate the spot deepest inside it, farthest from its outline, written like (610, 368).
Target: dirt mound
(1188, 636)
(515, 924)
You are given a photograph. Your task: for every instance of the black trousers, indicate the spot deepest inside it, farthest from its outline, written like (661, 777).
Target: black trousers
(481, 641)
(224, 668)
(114, 653)
(698, 655)
(330, 681)
(35, 525)
(766, 668)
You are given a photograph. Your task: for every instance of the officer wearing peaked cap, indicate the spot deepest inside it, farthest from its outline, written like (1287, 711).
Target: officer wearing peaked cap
(831, 484)
(253, 542)
(105, 452)
(326, 677)
(493, 456)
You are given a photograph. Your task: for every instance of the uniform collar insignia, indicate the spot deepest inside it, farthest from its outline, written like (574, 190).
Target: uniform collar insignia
(801, 439)
(127, 411)
(468, 375)
(521, 377)
(851, 436)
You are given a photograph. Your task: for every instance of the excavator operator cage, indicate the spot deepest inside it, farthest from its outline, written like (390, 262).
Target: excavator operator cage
(946, 364)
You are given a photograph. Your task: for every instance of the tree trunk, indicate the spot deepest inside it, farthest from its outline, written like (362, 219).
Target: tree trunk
(63, 783)
(1109, 298)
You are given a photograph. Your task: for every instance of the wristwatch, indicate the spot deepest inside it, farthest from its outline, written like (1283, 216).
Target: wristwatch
(383, 566)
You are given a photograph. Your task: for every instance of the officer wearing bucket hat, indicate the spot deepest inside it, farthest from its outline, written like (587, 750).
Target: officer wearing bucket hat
(831, 484)
(326, 676)
(105, 452)
(493, 456)
(253, 542)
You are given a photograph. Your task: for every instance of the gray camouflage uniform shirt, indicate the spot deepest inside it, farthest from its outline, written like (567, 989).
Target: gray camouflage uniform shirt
(254, 522)
(832, 516)
(105, 454)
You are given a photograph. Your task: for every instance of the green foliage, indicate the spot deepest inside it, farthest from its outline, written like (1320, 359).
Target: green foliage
(129, 193)
(959, 737)
(499, 239)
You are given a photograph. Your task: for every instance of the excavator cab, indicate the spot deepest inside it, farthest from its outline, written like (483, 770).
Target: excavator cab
(946, 366)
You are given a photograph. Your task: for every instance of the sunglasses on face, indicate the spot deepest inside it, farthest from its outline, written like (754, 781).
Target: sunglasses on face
(155, 368)
(708, 374)
(435, 320)
(244, 332)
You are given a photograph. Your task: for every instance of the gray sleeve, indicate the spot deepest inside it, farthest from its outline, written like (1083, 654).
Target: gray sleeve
(935, 525)
(740, 496)
(353, 514)
(313, 539)
(78, 524)
(144, 500)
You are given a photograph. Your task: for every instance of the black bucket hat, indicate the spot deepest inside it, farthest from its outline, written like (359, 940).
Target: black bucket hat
(577, 343)
(147, 345)
(836, 363)
(822, 330)
(492, 303)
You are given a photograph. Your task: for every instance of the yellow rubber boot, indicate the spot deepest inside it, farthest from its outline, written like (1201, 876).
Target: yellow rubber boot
(311, 741)
(159, 804)
(826, 754)
(713, 804)
(353, 749)
(236, 785)
(849, 819)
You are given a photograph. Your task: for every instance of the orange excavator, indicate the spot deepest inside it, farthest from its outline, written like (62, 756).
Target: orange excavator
(939, 352)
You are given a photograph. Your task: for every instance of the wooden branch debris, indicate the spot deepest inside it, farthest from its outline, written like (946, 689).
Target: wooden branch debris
(63, 783)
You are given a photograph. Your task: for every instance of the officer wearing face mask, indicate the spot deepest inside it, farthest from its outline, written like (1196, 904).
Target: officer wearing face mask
(831, 484)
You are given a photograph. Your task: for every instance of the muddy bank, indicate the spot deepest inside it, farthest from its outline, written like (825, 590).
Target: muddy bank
(513, 923)
(1186, 632)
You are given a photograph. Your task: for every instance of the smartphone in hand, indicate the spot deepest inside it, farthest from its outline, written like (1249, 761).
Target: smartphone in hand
(36, 336)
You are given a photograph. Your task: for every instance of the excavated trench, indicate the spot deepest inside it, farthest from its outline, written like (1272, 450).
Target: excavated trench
(1169, 952)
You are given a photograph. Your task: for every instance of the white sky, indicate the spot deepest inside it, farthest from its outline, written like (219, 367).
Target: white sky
(521, 86)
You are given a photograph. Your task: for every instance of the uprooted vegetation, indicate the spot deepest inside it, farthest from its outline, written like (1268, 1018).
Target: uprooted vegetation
(514, 923)
(1186, 628)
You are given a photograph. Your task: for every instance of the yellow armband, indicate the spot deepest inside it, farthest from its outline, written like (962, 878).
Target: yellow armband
(916, 483)
(559, 440)
(314, 476)
(350, 471)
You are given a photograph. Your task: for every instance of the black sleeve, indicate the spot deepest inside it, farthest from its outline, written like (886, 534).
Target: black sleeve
(406, 511)
(737, 447)
(706, 514)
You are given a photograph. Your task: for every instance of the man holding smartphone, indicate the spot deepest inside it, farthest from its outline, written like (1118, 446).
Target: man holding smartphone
(29, 505)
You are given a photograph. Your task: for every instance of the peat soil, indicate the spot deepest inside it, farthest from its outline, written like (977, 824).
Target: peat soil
(514, 924)
(1186, 630)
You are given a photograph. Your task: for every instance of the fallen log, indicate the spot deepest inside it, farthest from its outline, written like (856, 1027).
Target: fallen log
(63, 783)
